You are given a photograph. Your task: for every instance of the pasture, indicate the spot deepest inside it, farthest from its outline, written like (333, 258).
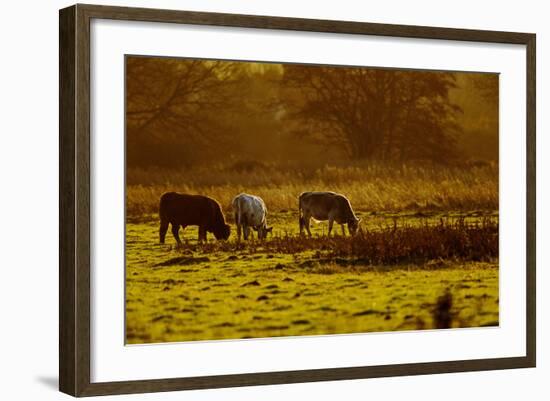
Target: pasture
(415, 154)
(287, 285)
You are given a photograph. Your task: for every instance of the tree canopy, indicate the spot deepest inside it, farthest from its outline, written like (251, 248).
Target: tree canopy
(180, 111)
(375, 113)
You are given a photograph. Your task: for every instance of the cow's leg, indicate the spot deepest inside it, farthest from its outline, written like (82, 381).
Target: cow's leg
(238, 223)
(343, 230)
(202, 233)
(246, 230)
(330, 223)
(162, 230)
(175, 232)
(307, 219)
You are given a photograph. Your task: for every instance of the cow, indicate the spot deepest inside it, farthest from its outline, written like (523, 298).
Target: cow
(326, 206)
(191, 210)
(250, 211)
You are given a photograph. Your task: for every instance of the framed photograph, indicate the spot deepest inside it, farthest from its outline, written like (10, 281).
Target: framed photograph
(249, 200)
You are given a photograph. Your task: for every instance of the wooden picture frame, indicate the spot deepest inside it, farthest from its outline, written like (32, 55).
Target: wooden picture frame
(74, 204)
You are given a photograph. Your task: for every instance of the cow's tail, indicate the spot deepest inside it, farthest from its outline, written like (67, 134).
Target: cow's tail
(238, 216)
(163, 216)
(301, 220)
(236, 210)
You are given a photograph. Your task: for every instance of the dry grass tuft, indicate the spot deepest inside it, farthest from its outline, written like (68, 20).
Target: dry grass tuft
(422, 243)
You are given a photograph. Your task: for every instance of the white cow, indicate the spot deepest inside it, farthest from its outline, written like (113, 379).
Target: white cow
(250, 211)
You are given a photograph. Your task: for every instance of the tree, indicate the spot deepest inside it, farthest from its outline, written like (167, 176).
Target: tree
(477, 95)
(375, 113)
(173, 105)
(487, 85)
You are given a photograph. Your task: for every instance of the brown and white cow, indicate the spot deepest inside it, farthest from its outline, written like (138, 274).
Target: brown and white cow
(191, 210)
(326, 206)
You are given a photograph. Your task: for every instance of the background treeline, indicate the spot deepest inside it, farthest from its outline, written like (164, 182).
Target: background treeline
(183, 113)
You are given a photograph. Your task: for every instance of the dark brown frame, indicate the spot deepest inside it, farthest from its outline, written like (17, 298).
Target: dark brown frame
(74, 202)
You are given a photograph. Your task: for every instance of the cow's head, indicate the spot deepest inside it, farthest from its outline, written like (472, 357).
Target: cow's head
(353, 225)
(263, 231)
(222, 232)
(267, 230)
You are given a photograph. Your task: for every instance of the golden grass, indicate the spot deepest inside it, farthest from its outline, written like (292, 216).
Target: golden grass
(369, 187)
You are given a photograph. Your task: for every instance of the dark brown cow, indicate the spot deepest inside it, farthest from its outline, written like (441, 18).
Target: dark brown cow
(191, 210)
(326, 206)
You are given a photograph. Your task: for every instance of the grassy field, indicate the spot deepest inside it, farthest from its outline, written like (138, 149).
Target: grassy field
(298, 286)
